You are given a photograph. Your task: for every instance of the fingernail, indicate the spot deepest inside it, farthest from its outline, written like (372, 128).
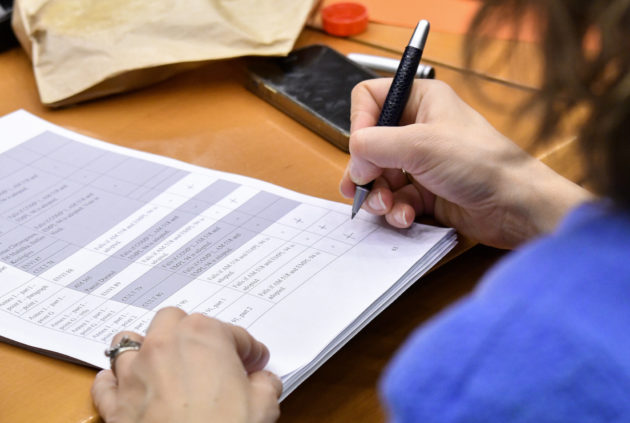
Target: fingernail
(273, 376)
(277, 381)
(402, 218)
(376, 202)
(352, 171)
(342, 184)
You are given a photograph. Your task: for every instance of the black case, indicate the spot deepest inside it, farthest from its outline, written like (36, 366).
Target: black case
(313, 86)
(7, 38)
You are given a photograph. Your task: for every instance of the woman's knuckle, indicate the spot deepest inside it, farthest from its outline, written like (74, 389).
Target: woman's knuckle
(198, 322)
(357, 142)
(155, 343)
(171, 310)
(361, 86)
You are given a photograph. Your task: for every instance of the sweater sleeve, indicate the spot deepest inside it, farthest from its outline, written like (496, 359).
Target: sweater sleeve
(489, 359)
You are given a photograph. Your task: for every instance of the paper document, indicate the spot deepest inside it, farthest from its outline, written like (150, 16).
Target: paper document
(95, 238)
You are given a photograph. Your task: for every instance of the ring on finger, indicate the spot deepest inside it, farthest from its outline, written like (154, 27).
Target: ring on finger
(125, 344)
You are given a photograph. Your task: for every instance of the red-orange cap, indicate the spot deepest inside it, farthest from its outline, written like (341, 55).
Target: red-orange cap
(344, 19)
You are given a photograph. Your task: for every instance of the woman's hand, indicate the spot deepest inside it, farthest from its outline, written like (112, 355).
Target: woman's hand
(467, 174)
(190, 368)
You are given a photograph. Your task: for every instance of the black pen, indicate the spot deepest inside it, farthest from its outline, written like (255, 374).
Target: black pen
(398, 95)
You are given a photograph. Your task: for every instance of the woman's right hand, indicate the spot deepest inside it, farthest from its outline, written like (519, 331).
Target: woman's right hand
(465, 173)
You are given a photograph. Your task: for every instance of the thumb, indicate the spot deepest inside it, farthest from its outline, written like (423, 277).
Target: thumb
(266, 389)
(386, 147)
(104, 391)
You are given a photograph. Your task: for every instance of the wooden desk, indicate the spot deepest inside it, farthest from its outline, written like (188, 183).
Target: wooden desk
(206, 117)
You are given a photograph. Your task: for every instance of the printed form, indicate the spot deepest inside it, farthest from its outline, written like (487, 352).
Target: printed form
(95, 238)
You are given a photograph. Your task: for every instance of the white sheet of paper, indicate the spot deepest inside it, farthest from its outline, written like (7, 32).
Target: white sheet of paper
(95, 238)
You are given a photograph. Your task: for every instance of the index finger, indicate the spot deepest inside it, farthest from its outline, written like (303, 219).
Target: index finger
(165, 320)
(366, 101)
(368, 98)
(226, 340)
(254, 354)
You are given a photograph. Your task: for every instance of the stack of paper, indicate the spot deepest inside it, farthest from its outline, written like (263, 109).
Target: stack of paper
(95, 238)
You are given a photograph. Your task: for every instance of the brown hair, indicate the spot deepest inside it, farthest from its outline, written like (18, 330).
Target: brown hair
(586, 50)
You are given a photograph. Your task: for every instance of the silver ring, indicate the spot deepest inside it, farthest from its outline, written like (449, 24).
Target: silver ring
(125, 344)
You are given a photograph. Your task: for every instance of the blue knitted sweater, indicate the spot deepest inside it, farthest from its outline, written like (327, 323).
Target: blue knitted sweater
(544, 338)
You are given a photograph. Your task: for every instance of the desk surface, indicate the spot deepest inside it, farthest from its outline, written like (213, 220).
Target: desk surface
(206, 117)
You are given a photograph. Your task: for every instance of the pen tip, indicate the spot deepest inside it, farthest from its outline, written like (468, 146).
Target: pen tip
(359, 197)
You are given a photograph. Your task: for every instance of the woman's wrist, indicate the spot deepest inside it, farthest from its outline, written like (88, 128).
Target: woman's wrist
(540, 199)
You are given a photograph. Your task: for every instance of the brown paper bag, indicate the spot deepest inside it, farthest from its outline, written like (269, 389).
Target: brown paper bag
(83, 49)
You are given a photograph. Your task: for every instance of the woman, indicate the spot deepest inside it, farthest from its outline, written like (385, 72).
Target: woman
(544, 337)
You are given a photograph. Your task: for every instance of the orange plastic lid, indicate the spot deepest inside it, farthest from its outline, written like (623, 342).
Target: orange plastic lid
(344, 19)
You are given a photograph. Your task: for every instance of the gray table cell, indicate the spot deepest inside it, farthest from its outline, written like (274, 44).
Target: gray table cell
(154, 235)
(142, 285)
(54, 167)
(8, 166)
(196, 246)
(6, 226)
(46, 143)
(157, 185)
(257, 224)
(84, 215)
(258, 203)
(235, 218)
(175, 220)
(21, 154)
(218, 252)
(204, 253)
(166, 178)
(98, 275)
(157, 294)
(77, 154)
(211, 246)
(41, 256)
(278, 209)
(22, 186)
(21, 243)
(84, 176)
(216, 191)
(137, 171)
(194, 206)
(106, 162)
(55, 259)
(145, 194)
(114, 185)
(42, 201)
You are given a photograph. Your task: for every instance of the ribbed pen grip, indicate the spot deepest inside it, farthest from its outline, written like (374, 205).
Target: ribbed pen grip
(401, 88)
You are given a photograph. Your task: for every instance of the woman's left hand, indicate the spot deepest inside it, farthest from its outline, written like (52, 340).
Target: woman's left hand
(190, 368)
